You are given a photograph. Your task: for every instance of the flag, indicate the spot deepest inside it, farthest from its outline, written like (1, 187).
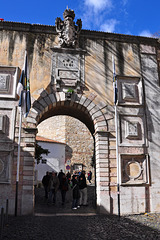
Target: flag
(115, 90)
(114, 82)
(23, 89)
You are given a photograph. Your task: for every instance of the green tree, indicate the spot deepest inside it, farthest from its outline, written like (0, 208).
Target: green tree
(39, 151)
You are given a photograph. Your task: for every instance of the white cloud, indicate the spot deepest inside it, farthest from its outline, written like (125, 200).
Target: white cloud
(95, 13)
(98, 5)
(109, 25)
(145, 33)
(124, 2)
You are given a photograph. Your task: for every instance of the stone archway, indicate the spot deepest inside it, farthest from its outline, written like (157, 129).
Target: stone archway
(94, 117)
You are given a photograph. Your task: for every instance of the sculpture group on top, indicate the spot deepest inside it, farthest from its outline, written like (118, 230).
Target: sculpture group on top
(67, 31)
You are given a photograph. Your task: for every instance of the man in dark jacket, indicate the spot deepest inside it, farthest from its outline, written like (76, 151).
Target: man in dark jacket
(60, 176)
(76, 193)
(45, 182)
(83, 189)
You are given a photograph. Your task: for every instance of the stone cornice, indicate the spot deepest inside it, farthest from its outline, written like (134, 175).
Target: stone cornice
(38, 28)
(27, 27)
(119, 37)
(69, 50)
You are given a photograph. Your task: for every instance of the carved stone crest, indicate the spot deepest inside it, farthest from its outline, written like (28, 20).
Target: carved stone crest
(68, 32)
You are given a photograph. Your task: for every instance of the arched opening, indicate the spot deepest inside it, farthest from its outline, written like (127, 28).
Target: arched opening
(95, 118)
(72, 149)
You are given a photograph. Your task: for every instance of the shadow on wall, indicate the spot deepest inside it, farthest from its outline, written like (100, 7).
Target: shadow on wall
(9, 171)
(68, 153)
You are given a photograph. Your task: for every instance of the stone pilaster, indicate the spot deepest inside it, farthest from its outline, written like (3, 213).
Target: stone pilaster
(28, 171)
(102, 171)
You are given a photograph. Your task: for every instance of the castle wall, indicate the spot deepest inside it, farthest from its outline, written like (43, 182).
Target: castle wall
(80, 140)
(137, 70)
(53, 128)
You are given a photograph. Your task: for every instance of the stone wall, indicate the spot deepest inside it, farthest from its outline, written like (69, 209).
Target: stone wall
(53, 128)
(137, 69)
(80, 140)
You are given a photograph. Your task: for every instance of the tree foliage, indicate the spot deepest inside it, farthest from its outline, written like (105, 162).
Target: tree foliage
(39, 151)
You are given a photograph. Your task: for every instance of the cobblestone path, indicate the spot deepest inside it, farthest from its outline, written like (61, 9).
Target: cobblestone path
(41, 205)
(62, 223)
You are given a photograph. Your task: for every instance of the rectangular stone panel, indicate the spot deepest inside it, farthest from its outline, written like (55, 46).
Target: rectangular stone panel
(2, 123)
(68, 74)
(8, 81)
(7, 121)
(129, 90)
(147, 49)
(4, 82)
(68, 61)
(68, 82)
(132, 130)
(134, 169)
(66, 67)
(4, 167)
(149, 70)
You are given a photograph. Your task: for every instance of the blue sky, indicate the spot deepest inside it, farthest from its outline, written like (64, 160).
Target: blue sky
(133, 17)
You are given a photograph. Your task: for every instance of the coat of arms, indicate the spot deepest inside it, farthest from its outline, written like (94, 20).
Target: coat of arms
(67, 30)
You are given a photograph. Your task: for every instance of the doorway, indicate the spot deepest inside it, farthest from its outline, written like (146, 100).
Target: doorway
(71, 143)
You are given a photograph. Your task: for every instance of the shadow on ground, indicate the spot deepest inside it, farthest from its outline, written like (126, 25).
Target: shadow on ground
(77, 227)
(43, 207)
(62, 223)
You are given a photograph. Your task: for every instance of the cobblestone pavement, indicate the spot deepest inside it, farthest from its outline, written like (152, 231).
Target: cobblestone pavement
(55, 222)
(42, 205)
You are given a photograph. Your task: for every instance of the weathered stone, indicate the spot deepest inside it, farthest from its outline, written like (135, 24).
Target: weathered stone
(55, 70)
(52, 97)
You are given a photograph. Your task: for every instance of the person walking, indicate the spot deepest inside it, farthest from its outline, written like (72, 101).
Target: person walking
(53, 186)
(60, 176)
(75, 192)
(68, 175)
(64, 188)
(89, 176)
(83, 189)
(45, 182)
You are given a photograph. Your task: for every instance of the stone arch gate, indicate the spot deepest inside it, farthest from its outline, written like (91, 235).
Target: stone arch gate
(63, 57)
(58, 60)
(96, 118)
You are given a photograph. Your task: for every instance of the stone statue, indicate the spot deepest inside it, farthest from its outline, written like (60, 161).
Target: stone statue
(67, 30)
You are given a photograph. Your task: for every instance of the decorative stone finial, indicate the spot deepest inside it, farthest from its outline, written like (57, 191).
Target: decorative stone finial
(67, 30)
(69, 13)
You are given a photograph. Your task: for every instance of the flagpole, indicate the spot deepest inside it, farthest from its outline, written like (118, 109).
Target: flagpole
(117, 158)
(116, 129)
(18, 161)
(23, 91)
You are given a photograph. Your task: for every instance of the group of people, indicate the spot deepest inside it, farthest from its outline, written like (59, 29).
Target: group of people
(53, 182)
